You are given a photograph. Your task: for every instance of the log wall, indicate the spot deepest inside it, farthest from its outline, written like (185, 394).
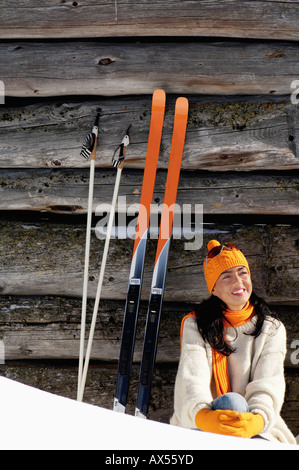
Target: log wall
(60, 63)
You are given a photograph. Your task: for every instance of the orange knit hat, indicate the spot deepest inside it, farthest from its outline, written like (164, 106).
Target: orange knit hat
(226, 259)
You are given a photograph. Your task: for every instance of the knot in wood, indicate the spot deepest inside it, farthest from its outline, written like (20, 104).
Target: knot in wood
(106, 61)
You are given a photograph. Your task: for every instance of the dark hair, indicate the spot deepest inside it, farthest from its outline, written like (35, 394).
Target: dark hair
(209, 317)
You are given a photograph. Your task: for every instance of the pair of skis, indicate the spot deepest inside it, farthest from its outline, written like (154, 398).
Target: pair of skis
(160, 267)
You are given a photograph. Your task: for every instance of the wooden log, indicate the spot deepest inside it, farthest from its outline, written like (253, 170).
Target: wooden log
(46, 258)
(66, 192)
(246, 19)
(61, 378)
(223, 133)
(48, 328)
(106, 69)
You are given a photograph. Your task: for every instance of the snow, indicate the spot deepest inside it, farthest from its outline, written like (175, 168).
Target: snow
(32, 419)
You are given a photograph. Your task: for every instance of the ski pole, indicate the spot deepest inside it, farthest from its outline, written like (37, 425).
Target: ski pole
(117, 162)
(89, 149)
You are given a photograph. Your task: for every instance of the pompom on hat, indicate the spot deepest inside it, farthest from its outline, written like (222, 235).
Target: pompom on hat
(227, 258)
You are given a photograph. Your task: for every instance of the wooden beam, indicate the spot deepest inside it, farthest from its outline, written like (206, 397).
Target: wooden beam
(224, 133)
(47, 259)
(230, 18)
(66, 192)
(44, 328)
(109, 69)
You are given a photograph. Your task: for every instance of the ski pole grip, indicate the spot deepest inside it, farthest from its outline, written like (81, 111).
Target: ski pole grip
(118, 160)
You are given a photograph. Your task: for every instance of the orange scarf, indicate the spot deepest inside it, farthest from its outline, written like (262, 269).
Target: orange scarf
(220, 368)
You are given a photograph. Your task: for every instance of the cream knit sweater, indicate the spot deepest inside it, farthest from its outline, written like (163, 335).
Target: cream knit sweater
(256, 371)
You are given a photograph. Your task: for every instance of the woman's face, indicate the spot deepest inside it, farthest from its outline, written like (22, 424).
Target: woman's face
(234, 287)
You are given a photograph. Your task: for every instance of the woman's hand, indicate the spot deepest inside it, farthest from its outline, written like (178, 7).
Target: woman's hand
(229, 422)
(215, 420)
(247, 425)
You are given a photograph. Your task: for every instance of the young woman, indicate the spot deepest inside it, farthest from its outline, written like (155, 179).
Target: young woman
(230, 378)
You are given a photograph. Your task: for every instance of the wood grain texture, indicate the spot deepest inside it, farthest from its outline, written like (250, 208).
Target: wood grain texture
(102, 18)
(48, 328)
(46, 258)
(41, 69)
(66, 192)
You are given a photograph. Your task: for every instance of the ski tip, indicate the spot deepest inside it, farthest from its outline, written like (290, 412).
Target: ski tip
(182, 105)
(159, 93)
(159, 100)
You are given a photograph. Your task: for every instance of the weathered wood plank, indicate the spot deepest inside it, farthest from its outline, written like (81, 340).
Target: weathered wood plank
(230, 18)
(223, 133)
(46, 258)
(39, 328)
(95, 68)
(61, 379)
(66, 191)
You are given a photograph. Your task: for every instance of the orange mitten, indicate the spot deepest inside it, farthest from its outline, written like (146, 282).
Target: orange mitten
(215, 421)
(248, 425)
